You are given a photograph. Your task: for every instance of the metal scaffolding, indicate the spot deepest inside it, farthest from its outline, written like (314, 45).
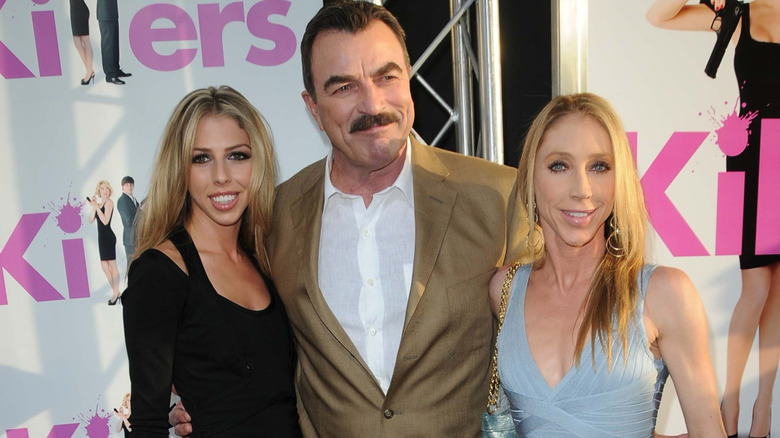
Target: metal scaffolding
(486, 65)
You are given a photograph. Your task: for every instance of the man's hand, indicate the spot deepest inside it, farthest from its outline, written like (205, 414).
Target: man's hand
(180, 420)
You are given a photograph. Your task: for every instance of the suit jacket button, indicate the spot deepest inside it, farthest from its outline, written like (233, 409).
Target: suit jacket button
(389, 414)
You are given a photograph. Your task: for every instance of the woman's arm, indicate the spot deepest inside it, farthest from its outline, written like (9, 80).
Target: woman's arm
(677, 326)
(152, 306)
(95, 209)
(675, 14)
(104, 216)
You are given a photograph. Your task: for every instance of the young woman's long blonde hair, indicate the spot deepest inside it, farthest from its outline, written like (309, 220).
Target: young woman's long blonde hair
(610, 304)
(167, 206)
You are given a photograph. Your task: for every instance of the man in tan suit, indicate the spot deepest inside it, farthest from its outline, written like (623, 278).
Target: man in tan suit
(382, 251)
(463, 224)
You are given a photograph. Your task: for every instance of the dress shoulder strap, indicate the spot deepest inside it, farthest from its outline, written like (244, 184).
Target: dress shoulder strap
(189, 253)
(745, 30)
(644, 279)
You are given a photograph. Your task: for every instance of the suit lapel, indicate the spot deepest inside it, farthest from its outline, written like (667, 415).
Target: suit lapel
(433, 204)
(306, 214)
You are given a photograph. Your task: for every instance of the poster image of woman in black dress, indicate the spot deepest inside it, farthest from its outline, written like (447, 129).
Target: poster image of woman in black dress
(79, 25)
(103, 211)
(757, 67)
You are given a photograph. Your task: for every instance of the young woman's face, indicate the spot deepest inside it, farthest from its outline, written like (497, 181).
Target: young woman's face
(574, 183)
(104, 192)
(220, 171)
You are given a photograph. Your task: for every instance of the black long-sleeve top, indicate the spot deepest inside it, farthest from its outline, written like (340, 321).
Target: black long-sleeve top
(232, 367)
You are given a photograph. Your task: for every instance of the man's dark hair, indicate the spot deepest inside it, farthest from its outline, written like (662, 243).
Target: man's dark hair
(128, 180)
(345, 16)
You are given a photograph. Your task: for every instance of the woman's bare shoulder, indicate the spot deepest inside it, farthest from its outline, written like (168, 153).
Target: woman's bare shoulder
(671, 296)
(668, 281)
(169, 249)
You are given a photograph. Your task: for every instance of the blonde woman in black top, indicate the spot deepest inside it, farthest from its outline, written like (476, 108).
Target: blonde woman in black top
(200, 311)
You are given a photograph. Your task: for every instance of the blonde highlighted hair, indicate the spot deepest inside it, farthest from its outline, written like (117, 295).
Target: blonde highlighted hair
(611, 301)
(167, 206)
(108, 186)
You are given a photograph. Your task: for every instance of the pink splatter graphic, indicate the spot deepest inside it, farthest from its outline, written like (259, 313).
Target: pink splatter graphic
(67, 215)
(732, 135)
(96, 424)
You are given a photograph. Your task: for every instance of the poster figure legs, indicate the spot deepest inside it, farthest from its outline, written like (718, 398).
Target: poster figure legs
(768, 356)
(758, 309)
(79, 24)
(112, 274)
(109, 49)
(84, 47)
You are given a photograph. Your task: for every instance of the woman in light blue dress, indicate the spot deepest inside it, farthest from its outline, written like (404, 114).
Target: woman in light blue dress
(591, 331)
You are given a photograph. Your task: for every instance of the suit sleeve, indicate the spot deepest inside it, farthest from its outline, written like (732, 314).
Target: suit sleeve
(124, 210)
(152, 306)
(517, 228)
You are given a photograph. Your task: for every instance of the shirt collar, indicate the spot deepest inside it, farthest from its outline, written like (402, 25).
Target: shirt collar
(403, 182)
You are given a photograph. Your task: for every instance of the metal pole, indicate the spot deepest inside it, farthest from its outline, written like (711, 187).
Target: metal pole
(492, 125)
(569, 46)
(461, 74)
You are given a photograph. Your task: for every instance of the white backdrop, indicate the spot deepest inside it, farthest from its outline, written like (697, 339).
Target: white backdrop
(63, 366)
(62, 359)
(655, 79)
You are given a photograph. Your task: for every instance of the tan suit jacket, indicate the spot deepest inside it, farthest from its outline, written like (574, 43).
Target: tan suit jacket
(467, 224)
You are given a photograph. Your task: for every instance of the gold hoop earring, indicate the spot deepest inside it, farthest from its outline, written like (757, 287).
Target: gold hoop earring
(613, 241)
(537, 241)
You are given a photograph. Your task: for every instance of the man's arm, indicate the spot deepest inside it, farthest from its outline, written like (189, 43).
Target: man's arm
(124, 207)
(517, 226)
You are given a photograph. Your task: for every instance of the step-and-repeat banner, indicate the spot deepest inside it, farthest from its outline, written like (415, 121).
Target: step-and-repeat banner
(686, 125)
(63, 366)
(62, 359)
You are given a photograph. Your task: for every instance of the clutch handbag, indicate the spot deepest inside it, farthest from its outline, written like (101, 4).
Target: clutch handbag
(497, 419)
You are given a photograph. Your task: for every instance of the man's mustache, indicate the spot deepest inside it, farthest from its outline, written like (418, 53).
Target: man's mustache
(367, 121)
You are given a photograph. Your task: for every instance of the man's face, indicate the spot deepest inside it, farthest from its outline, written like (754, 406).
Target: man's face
(128, 188)
(363, 102)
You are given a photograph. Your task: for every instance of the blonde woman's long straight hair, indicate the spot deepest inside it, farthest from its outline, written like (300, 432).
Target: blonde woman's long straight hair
(167, 206)
(611, 301)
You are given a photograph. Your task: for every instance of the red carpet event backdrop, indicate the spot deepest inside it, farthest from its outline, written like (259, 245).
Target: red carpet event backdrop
(686, 125)
(63, 367)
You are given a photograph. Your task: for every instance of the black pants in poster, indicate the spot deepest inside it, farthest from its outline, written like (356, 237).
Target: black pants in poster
(109, 47)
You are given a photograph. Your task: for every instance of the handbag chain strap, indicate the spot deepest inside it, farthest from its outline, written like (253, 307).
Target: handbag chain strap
(494, 381)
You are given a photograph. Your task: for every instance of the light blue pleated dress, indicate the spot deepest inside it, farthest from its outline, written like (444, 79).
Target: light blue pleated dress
(589, 401)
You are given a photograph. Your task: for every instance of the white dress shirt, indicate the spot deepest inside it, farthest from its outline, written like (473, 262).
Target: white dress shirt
(365, 266)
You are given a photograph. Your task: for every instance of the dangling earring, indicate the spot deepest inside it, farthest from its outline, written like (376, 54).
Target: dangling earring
(613, 240)
(535, 233)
